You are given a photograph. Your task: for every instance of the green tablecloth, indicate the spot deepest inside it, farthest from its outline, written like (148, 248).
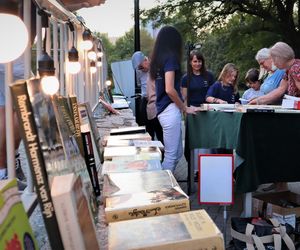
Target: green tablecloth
(269, 143)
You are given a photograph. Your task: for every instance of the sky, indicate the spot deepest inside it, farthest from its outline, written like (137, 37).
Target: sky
(114, 17)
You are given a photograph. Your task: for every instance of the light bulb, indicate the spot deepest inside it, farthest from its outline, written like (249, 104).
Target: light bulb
(108, 83)
(99, 63)
(92, 55)
(93, 69)
(100, 54)
(50, 85)
(73, 67)
(14, 37)
(86, 45)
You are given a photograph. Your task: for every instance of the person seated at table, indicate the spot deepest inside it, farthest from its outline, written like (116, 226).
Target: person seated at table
(253, 83)
(283, 57)
(224, 90)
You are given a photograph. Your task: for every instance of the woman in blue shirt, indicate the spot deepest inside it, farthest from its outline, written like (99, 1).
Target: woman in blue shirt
(195, 83)
(165, 70)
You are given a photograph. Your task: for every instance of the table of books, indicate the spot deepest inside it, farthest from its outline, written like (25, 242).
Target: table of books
(268, 143)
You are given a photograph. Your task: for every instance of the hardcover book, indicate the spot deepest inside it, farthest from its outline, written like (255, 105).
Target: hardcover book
(15, 230)
(130, 166)
(191, 230)
(31, 138)
(128, 130)
(137, 182)
(90, 158)
(132, 152)
(75, 221)
(108, 106)
(146, 204)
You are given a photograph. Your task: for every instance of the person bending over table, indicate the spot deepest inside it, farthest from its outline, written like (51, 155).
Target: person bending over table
(283, 57)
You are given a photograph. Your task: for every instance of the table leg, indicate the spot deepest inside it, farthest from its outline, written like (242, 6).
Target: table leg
(247, 205)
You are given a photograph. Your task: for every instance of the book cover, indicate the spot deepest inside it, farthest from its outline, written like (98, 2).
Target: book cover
(75, 221)
(135, 143)
(146, 204)
(131, 152)
(143, 136)
(86, 117)
(30, 136)
(108, 106)
(137, 182)
(90, 158)
(15, 230)
(191, 230)
(130, 166)
(128, 130)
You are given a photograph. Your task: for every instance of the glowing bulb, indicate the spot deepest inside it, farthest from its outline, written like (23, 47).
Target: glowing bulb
(92, 55)
(86, 45)
(100, 54)
(99, 63)
(73, 67)
(93, 69)
(108, 83)
(14, 37)
(50, 85)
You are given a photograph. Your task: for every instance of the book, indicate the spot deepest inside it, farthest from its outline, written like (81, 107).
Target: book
(142, 136)
(30, 136)
(90, 159)
(146, 204)
(74, 218)
(135, 143)
(15, 229)
(131, 152)
(137, 182)
(128, 130)
(191, 230)
(107, 106)
(130, 166)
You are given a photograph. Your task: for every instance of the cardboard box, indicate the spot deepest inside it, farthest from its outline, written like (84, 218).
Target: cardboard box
(192, 230)
(283, 203)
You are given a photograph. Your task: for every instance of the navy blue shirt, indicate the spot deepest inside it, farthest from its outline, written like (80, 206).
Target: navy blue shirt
(162, 99)
(226, 93)
(198, 87)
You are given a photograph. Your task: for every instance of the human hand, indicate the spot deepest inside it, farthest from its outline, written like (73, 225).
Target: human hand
(190, 110)
(254, 101)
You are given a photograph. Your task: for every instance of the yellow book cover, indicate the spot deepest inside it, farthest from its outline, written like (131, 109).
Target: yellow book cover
(191, 230)
(146, 204)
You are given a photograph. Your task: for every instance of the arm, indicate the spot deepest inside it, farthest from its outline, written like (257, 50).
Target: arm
(211, 99)
(184, 94)
(172, 93)
(273, 96)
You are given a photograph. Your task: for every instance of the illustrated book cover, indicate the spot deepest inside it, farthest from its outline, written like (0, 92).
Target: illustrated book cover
(146, 204)
(191, 230)
(15, 229)
(130, 166)
(137, 182)
(131, 152)
(74, 218)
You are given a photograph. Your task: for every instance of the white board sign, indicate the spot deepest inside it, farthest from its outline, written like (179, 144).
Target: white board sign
(215, 178)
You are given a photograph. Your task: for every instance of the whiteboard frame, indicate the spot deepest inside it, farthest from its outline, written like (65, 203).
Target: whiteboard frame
(213, 182)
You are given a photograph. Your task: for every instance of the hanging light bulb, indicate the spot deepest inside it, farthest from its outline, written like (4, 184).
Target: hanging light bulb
(49, 82)
(108, 83)
(92, 55)
(93, 68)
(87, 43)
(99, 62)
(14, 33)
(73, 66)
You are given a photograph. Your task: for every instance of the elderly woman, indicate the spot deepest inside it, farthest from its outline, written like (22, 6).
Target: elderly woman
(283, 57)
(274, 75)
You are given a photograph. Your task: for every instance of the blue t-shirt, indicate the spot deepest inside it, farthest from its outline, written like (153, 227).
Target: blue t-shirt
(162, 99)
(226, 93)
(198, 87)
(272, 82)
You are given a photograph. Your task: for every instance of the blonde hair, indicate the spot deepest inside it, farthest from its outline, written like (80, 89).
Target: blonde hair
(227, 69)
(282, 51)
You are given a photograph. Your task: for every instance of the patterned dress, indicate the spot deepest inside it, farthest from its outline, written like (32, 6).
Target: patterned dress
(292, 75)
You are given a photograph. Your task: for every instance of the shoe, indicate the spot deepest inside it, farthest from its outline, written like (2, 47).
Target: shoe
(269, 188)
(196, 176)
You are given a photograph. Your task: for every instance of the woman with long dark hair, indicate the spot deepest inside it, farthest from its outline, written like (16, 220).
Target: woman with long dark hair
(165, 70)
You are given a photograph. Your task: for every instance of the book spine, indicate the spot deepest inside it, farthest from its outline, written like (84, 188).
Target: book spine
(75, 115)
(36, 161)
(90, 161)
(171, 207)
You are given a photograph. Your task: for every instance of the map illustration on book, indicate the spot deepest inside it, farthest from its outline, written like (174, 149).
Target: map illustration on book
(146, 204)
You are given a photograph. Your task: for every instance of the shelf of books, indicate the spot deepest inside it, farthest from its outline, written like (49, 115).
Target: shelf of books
(98, 174)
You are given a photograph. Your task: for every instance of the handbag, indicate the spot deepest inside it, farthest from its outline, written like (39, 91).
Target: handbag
(261, 234)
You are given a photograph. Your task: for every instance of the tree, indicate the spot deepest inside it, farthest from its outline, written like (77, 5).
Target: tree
(279, 17)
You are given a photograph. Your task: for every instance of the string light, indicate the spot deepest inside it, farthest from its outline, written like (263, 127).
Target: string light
(86, 43)
(73, 65)
(93, 68)
(99, 62)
